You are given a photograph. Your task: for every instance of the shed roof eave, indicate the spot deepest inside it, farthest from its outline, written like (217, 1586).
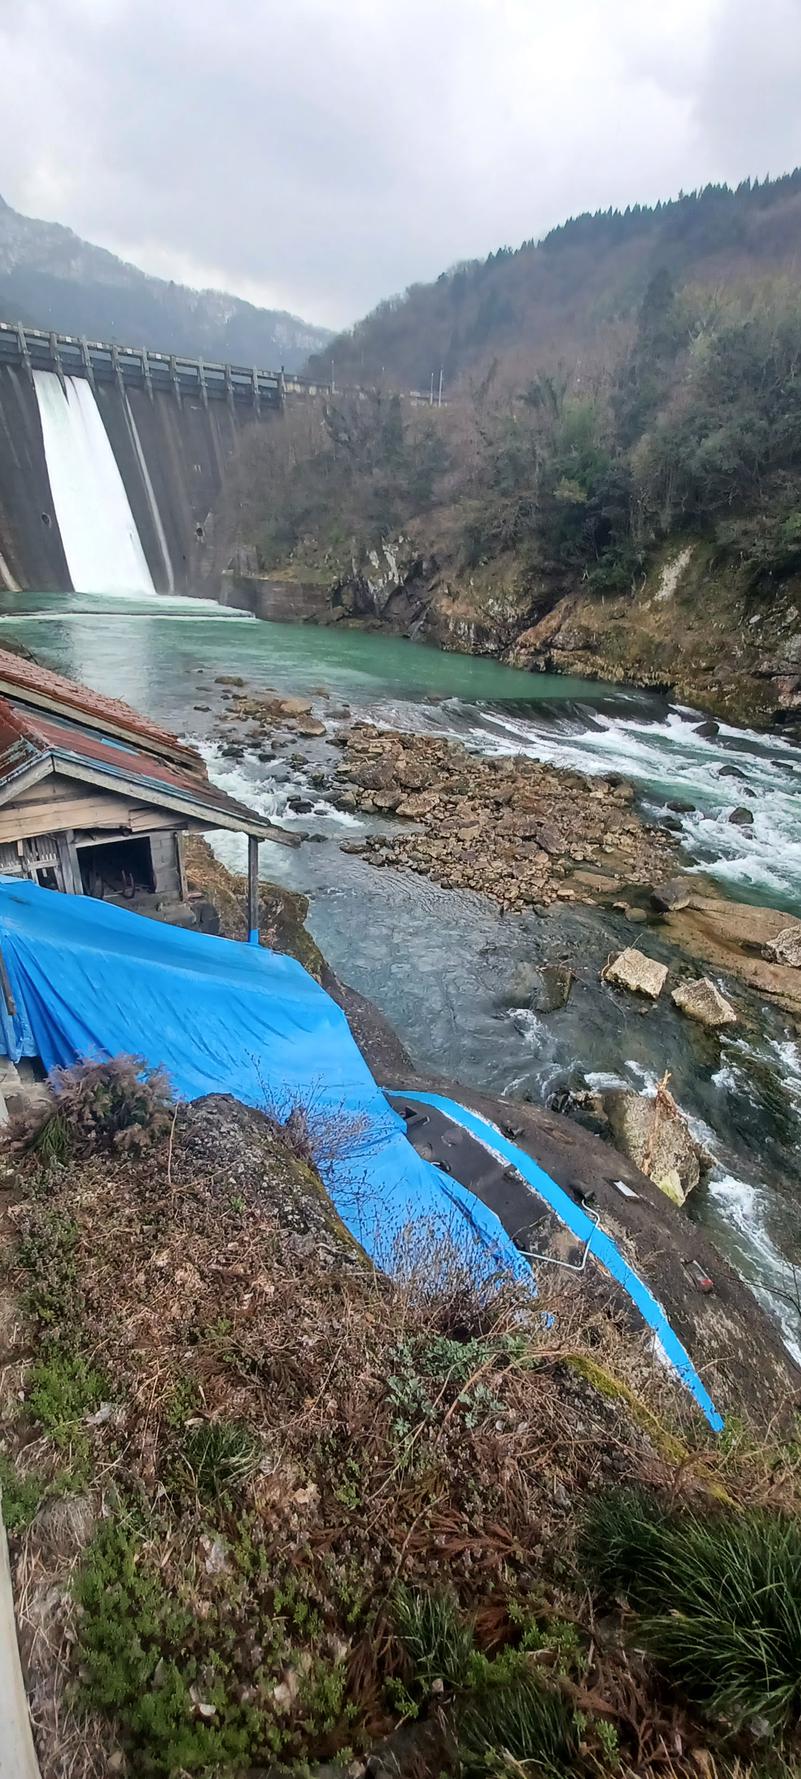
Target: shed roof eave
(211, 814)
(30, 772)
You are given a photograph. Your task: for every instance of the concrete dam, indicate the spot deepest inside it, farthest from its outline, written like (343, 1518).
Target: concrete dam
(112, 459)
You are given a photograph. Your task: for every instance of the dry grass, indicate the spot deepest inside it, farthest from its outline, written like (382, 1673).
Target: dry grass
(362, 1433)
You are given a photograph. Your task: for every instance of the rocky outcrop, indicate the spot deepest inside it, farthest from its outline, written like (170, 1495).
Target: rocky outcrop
(543, 988)
(691, 627)
(673, 894)
(635, 970)
(655, 1136)
(738, 938)
(786, 947)
(516, 830)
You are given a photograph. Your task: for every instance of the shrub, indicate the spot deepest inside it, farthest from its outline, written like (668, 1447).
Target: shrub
(135, 1666)
(98, 1107)
(718, 1600)
(63, 1390)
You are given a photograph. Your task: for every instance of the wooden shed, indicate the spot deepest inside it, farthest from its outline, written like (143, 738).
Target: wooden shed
(94, 798)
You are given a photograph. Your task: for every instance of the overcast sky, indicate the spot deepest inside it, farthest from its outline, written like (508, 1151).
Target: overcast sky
(317, 155)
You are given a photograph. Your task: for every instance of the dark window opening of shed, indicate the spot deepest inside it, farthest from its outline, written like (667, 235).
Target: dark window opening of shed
(117, 868)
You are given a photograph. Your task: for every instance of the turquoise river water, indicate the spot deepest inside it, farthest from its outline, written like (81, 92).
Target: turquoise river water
(436, 962)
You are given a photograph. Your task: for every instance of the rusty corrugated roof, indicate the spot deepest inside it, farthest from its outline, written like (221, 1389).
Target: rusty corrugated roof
(36, 686)
(28, 735)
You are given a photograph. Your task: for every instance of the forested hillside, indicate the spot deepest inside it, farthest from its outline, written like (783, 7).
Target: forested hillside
(631, 398)
(50, 278)
(574, 291)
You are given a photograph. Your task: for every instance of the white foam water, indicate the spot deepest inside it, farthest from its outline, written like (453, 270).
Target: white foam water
(669, 760)
(98, 531)
(772, 1279)
(270, 796)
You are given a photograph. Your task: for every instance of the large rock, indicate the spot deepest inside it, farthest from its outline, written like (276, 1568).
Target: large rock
(704, 1002)
(673, 894)
(543, 988)
(741, 818)
(786, 947)
(655, 1136)
(633, 969)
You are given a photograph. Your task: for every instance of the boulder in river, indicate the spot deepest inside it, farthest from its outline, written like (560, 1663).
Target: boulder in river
(786, 947)
(741, 817)
(673, 894)
(543, 988)
(633, 969)
(708, 729)
(731, 772)
(703, 1001)
(656, 1137)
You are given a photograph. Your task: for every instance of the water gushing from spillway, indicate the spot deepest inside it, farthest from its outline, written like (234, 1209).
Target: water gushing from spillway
(98, 531)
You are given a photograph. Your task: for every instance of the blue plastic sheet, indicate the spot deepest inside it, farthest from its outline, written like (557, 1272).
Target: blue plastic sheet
(91, 981)
(598, 1242)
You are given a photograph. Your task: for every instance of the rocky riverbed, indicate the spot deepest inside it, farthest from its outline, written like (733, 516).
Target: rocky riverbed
(523, 833)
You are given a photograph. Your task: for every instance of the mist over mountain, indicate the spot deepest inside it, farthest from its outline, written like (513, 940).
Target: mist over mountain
(50, 278)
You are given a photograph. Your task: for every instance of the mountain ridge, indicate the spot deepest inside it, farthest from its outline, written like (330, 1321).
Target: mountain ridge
(574, 289)
(50, 277)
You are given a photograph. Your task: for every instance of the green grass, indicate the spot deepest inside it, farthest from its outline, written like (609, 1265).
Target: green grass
(718, 1601)
(437, 1643)
(515, 1716)
(217, 1458)
(20, 1496)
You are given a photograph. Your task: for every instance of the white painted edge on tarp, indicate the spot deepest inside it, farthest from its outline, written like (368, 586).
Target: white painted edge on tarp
(17, 1753)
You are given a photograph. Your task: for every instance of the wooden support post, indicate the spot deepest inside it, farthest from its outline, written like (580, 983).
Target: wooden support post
(69, 865)
(253, 890)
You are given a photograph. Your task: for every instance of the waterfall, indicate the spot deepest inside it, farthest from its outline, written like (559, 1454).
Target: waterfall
(101, 543)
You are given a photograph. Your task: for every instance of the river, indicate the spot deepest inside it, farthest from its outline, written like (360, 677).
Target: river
(439, 963)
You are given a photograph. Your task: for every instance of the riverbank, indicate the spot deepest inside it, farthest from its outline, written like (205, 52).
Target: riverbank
(692, 627)
(268, 1508)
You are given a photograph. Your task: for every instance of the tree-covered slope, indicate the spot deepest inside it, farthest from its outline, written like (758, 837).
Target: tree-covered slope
(574, 291)
(50, 278)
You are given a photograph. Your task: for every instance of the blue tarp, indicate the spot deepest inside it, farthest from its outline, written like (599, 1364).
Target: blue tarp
(598, 1242)
(91, 980)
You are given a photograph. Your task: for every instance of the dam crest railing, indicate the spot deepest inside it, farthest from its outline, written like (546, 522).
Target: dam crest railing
(137, 367)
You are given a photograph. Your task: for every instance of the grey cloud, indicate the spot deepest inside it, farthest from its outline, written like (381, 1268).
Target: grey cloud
(324, 153)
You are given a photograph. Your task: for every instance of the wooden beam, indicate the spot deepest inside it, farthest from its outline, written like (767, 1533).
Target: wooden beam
(253, 890)
(170, 797)
(24, 820)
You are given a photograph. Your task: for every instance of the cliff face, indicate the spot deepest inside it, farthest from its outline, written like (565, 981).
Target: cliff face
(691, 628)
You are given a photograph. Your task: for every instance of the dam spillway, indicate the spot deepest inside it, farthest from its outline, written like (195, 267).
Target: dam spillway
(98, 531)
(174, 427)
